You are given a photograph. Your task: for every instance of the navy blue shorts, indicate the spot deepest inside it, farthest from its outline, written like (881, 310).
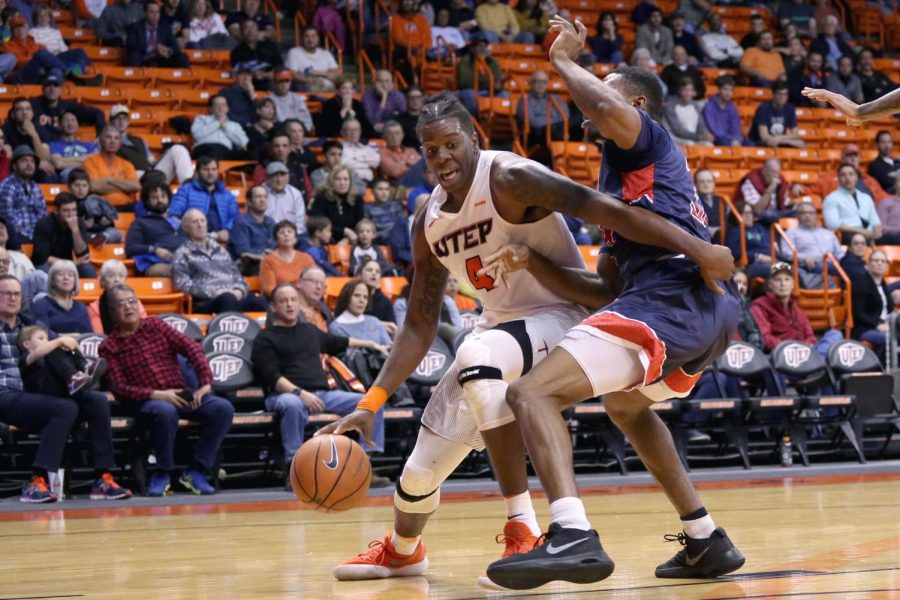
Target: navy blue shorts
(674, 320)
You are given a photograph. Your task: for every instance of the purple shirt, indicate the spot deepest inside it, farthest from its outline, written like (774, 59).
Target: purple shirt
(723, 123)
(395, 105)
(889, 213)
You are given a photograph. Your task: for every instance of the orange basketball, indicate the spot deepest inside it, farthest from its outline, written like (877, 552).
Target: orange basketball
(330, 473)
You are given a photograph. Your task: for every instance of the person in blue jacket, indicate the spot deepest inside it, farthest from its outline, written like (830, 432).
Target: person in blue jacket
(207, 193)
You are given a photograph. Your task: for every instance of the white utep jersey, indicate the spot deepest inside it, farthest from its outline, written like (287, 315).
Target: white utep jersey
(461, 240)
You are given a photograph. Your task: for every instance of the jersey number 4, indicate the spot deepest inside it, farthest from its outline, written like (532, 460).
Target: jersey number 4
(483, 282)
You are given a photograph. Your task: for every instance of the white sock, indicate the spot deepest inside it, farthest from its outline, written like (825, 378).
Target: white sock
(519, 508)
(699, 529)
(569, 513)
(405, 545)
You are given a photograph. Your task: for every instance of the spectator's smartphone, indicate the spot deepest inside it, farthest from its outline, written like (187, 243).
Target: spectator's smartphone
(187, 396)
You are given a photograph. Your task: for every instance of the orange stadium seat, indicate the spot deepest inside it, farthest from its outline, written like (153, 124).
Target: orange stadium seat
(102, 98)
(158, 295)
(339, 256)
(131, 76)
(101, 254)
(392, 286)
(104, 56)
(156, 98)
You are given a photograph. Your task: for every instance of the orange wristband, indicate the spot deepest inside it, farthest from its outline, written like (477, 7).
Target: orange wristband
(373, 400)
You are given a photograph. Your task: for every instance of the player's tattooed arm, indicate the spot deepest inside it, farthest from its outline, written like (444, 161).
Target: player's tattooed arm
(575, 285)
(425, 300)
(532, 184)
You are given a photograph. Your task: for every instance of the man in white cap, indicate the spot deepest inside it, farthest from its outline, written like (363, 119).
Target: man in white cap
(174, 162)
(285, 201)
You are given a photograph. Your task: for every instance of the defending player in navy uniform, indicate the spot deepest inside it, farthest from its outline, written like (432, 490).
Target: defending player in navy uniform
(486, 199)
(650, 344)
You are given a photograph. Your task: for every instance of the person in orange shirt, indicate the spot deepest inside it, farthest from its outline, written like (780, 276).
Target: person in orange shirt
(411, 34)
(34, 61)
(828, 180)
(762, 64)
(284, 264)
(112, 177)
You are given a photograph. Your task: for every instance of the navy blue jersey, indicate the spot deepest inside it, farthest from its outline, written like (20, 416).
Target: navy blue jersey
(653, 174)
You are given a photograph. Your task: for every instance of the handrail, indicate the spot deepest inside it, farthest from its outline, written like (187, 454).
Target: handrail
(299, 23)
(330, 41)
(554, 103)
(732, 209)
(485, 139)
(847, 291)
(269, 6)
(518, 149)
(778, 232)
(364, 61)
(380, 6)
(440, 47)
(400, 81)
(722, 225)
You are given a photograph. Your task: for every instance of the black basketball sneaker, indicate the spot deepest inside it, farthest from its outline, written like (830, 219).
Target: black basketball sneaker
(701, 558)
(562, 554)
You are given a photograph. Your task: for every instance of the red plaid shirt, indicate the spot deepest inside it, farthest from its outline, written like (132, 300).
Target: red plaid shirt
(147, 360)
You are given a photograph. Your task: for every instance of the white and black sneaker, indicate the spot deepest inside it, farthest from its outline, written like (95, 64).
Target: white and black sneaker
(701, 558)
(562, 554)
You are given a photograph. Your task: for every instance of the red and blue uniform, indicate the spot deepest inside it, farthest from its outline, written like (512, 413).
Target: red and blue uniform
(665, 307)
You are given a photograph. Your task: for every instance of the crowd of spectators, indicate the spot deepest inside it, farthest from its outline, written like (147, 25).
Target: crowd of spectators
(331, 191)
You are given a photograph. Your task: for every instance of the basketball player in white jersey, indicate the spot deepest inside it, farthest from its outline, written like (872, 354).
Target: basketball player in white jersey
(471, 214)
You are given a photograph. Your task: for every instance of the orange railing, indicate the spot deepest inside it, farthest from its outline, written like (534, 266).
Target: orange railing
(846, 292)
(777, 233)
(732, 210)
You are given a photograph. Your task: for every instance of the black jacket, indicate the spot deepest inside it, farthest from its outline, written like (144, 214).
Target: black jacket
(87, 115)
(152, 229)
(867, 304)
(136, 41)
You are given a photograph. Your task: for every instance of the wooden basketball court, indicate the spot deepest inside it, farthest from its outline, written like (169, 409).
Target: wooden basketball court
(833, 537)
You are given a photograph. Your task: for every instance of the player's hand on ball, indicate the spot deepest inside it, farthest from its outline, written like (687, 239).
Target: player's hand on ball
(509, 258)
(716, 264)
(359, 420)
(570, 41)
(849, 108)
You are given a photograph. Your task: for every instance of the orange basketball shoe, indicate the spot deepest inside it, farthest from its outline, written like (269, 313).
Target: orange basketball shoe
(382, 561)
(518, 539)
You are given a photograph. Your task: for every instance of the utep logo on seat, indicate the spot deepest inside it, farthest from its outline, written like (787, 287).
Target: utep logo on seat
(90, 346)
(739, 355)
(225, 367)
(850, 354)
(179, 325)
(228, 343)
(796, 354)
(234, 324)
(432, 362)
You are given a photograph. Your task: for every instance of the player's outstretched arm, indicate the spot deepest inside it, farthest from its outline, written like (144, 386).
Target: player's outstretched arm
(604, 107)
(857, 114)
(532, 184)
(413, 340)
(575, 285)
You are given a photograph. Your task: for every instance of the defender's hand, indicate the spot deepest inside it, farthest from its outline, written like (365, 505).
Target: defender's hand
(716, 264)
(849, 108)
(359, 420)
(570, 42)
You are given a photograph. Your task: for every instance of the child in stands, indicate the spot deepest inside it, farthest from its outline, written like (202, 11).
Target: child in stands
(365, 246)
(319, 229)
(56, 367)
